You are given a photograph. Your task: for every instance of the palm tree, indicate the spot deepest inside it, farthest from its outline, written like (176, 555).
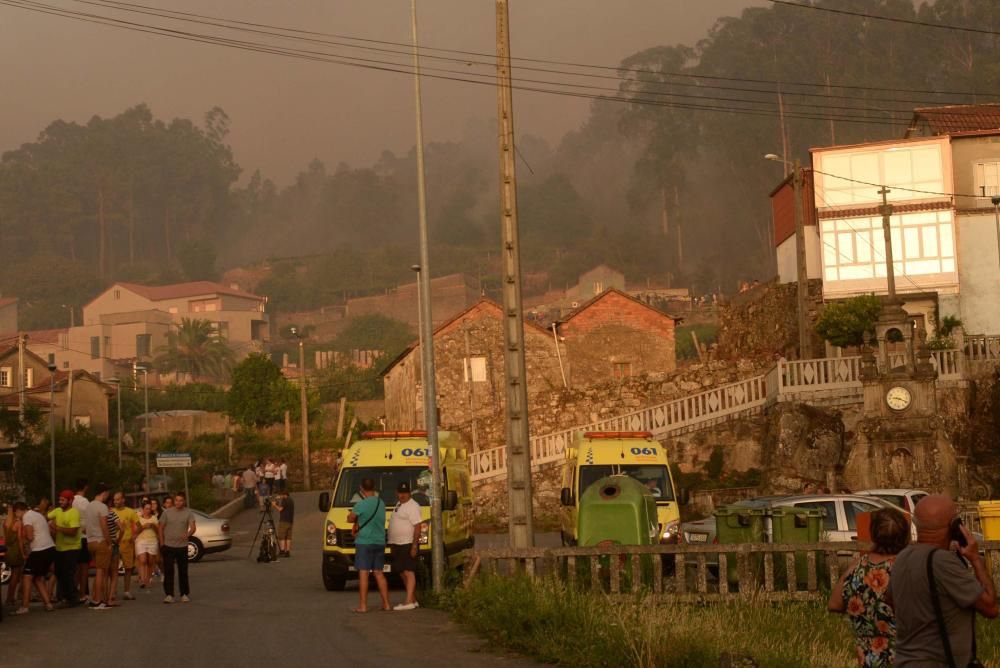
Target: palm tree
(195, 348)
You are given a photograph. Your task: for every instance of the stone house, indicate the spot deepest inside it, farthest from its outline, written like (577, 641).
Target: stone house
(90, 397)
(468, 356)
(615, 336)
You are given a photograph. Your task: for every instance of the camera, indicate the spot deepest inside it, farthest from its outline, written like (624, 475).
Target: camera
(955, 532)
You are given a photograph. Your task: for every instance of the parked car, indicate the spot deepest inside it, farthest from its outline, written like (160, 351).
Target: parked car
(904, 498)
(839, 525)
(211, 534)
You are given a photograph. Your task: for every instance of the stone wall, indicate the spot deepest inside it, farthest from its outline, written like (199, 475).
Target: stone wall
(763, 322)
(559, 409)
(616, 336)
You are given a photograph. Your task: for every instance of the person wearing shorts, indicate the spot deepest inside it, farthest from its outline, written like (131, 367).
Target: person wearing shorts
(369, 544)
(95, 522)
(286, 518)
(129, 521)
(41, 556)
(405, 527)
(147, 545)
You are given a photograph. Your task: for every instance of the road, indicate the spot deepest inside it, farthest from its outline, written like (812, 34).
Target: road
(245, 613)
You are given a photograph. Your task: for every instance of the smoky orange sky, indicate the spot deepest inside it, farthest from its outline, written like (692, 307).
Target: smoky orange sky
(285, 112)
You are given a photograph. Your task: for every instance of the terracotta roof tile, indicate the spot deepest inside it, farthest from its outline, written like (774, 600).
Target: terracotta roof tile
(958, 118)
(183, 290)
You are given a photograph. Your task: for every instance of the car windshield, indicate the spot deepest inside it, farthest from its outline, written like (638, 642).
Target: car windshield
(897, 500)
(387, 479)
(654, 477)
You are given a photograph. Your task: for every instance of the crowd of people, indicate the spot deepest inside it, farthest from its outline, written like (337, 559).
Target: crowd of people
(916, 604)
(261, 480)
(50, 550)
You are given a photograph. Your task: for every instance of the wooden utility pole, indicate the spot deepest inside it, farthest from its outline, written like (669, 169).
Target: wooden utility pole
(516, 390)
(21, 378)
(805, 338)
(305, 414)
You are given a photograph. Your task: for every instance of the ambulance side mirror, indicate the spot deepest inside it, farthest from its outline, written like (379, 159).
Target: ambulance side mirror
(451, 500)
(324, 502)
(566, 496)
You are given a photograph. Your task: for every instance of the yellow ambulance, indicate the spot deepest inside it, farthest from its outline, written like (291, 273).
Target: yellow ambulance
(596, 454)
(390, 458)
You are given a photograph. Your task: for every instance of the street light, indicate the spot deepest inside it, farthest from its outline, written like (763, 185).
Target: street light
(427, 356)
(145, 412)
(802, 276)
(118, 415)
(52, 428)
(304, 405)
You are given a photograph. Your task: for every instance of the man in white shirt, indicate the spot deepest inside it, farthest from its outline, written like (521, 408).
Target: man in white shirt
(405, 525)
(282, 476)
(40, 557)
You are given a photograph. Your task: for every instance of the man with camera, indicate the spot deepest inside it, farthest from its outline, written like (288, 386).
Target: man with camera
(935, 594)
(286, 518)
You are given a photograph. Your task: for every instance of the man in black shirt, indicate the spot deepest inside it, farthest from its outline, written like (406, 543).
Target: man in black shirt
(286, 517)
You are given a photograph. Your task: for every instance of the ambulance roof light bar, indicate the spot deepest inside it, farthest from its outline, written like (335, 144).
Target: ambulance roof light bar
(372, 435)
(618, 434)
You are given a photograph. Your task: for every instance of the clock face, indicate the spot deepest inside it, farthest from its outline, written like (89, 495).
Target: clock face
(898, 398)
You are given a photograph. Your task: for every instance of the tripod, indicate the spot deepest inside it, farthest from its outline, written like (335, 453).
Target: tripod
(269, 541)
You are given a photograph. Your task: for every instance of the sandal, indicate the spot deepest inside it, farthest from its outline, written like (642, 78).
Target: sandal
(21, 611)
(49, 608)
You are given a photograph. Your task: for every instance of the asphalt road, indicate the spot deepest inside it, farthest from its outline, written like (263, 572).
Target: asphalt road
(243, 613)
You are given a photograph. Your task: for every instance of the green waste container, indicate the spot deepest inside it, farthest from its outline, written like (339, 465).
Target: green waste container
(735, 525)
(797, 525)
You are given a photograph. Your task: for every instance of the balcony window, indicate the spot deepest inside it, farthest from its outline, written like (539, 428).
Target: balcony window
(922, 244)
(846, 178)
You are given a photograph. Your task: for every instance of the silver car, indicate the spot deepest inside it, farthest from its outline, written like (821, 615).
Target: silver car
(211, 534)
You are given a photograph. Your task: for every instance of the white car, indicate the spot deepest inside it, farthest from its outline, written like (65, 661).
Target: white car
(904, 498)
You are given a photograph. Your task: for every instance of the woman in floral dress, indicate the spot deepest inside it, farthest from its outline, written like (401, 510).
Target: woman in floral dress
(862, 590)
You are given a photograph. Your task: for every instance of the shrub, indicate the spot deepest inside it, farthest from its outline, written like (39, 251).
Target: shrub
(844, 323)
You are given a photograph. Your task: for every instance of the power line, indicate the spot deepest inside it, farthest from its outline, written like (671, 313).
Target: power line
(891, 19)
(882, 185)
(384, 66)
(491, 59)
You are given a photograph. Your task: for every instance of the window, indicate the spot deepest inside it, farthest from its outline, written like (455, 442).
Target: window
(987, 178)
(478, 368)
(598, 287)
(52, 358)
(853, 508)
(95, 347)
(172, 310)
(29, 377)
(143, 344)
(830, 521)
(844, 177)
(211, 306)
(118, 294)
(6, 377)
(81, 421)
(621, 370)
(922, 244)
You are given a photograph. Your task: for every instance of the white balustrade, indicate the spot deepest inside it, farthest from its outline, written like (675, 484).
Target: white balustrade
(827, 373)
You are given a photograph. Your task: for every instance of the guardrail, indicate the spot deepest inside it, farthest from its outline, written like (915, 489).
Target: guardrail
(799, 572)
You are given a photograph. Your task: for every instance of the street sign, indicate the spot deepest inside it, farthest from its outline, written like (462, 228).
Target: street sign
(173, 460)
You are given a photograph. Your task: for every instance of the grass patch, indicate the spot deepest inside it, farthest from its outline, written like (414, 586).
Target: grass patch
(557, 624)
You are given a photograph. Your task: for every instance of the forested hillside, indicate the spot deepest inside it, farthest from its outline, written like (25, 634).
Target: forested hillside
(666, 180)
